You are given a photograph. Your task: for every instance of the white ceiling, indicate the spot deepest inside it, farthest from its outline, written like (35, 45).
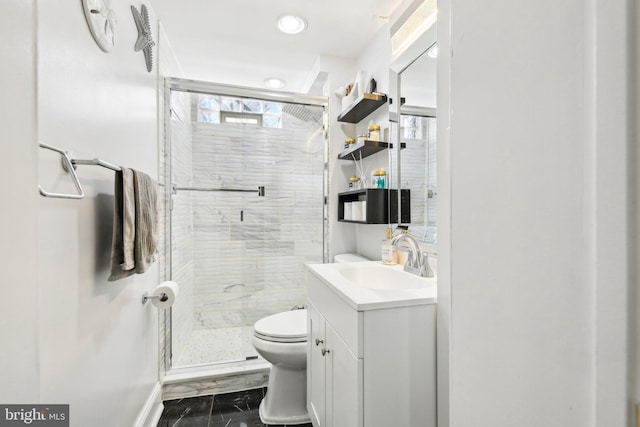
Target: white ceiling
(237, 41)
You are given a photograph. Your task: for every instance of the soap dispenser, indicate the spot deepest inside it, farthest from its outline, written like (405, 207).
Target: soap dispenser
(389, 254)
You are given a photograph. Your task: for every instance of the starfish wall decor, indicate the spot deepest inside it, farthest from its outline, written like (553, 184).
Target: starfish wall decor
(145, 38)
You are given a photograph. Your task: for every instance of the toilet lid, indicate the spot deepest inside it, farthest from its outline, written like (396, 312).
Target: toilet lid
(288, 326)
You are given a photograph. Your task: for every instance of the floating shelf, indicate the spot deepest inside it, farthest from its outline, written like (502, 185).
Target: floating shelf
(365, 148)
(380, 203)
(362, 107)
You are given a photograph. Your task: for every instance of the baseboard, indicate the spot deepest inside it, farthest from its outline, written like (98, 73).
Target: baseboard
(152, 409)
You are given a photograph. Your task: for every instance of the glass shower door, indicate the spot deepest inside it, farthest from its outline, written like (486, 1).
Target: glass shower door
(239, 255)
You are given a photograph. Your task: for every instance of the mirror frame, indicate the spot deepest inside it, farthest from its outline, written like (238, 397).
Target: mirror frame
(400, 63)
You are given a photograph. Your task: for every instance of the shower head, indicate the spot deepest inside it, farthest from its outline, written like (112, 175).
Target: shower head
(301, 112)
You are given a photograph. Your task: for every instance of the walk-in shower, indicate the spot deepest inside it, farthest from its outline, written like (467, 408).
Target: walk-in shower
(245, 184)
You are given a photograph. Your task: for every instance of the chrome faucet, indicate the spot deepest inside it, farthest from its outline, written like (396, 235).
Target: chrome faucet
(417, 262)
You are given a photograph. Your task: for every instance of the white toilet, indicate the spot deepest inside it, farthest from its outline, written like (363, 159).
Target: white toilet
(281, 339)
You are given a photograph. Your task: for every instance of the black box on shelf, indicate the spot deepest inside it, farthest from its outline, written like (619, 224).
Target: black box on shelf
(381, 205)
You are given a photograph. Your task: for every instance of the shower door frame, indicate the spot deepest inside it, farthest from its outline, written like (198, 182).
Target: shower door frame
(202, 87)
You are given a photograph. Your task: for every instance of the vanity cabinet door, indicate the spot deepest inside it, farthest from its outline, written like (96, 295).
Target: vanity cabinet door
(344, 383)
(316, 368)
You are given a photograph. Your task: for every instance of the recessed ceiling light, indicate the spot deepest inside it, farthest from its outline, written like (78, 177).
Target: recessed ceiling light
(274, 83)
(291, 24)
(433, 51)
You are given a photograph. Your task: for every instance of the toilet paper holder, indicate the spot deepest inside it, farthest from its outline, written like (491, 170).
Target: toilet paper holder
(146, 297)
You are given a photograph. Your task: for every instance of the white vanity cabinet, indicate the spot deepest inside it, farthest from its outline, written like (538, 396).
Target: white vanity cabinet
(371, 366)
(335, 385)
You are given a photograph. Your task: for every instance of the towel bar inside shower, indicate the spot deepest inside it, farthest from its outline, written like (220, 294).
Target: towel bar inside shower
(69, 164)
(260, 190)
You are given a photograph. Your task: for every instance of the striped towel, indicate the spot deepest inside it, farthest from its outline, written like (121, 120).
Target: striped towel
(135, 224)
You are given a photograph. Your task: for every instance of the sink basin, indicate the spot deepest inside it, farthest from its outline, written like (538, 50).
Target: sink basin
(382, 277)
(372, 285)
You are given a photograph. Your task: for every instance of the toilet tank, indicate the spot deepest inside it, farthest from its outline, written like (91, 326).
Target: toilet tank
(349, 258)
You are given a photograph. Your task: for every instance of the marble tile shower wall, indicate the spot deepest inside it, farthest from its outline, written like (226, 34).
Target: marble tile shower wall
(250, 251)
(182, 263)
(419, 174)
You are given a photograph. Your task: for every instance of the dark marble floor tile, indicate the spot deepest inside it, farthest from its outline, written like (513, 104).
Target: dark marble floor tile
(189, 412)
(186, 422)
(249, 418)
(237, 402)
(238, 409)
(280, 425)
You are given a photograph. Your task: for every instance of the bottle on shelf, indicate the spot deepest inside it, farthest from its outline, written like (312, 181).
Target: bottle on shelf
(379, 178)
(374, 133)
(354, 183)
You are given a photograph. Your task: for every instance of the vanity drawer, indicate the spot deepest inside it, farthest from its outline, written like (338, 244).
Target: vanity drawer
(346, 321)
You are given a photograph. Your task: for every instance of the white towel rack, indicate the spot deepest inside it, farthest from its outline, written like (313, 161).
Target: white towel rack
(95, 162)
(70, 165)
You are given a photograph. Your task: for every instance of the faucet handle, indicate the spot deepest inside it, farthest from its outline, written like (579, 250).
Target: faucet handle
(411, 262)
(426, 268)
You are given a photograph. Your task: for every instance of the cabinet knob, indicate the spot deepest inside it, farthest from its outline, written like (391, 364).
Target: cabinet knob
(318, 341)
(325, 351)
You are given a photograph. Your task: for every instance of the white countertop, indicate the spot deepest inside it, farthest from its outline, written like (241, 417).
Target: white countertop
(396, 288)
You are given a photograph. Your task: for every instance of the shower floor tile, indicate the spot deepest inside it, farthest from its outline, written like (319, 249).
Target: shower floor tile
(217, 345)
(221, 410)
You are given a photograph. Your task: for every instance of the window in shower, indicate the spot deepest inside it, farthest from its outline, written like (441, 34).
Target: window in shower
(237, 256)
(216, 109)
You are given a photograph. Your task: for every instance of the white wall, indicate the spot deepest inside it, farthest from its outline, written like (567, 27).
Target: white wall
(332, 73)
(533, 246)
(611, 139)
(376, 59)
(635, 353)
(78, 339)
(18, 252)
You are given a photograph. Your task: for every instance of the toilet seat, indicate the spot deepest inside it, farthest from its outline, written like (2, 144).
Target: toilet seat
(285, 327)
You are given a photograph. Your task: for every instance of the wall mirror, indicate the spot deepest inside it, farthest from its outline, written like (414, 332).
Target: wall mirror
(413, 123)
